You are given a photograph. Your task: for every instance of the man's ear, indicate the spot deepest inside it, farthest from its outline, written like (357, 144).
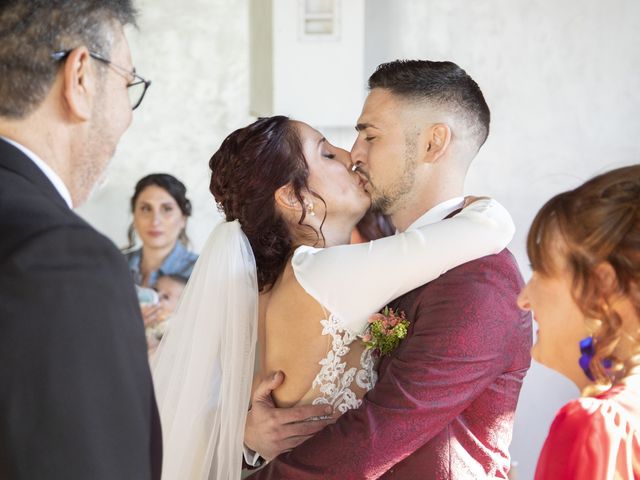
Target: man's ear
(286, 199)
(79, 83)
(437, 140)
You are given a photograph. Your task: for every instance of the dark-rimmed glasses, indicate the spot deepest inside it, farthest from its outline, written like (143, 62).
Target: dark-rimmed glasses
(136, 87)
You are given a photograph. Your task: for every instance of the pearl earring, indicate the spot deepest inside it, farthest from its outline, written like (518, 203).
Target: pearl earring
(310, 210)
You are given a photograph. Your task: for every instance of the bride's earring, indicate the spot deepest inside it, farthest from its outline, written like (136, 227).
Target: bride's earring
(310, 211)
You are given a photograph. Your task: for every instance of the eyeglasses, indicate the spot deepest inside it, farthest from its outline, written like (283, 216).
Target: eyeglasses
(137, 86)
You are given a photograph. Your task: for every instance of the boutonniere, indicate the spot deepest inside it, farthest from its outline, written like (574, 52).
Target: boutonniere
(385, 331)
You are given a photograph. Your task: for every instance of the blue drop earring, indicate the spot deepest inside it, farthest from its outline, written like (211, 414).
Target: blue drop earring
(587, 351)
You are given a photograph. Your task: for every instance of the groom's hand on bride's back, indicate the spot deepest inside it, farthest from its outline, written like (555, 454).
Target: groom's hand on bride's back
(270, 431)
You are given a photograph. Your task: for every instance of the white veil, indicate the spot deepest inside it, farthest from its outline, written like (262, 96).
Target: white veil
(203, 367)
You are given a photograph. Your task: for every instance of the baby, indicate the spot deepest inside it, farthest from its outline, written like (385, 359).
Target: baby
(169, 288)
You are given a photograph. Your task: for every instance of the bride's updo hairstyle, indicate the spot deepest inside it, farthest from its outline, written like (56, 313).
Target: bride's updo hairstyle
(595, 223)
(249, 167)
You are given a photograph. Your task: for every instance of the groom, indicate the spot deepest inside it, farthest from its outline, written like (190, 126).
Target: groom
(445, 400)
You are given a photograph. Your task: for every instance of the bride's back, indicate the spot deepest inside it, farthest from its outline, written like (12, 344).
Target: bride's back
(291, 340)
(287, 186)
(291, 337)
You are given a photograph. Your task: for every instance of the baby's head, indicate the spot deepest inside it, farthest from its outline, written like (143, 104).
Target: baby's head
(169, 288)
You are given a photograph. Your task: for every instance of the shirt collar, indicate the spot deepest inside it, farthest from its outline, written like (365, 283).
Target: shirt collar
(438, 212)
(46, 169)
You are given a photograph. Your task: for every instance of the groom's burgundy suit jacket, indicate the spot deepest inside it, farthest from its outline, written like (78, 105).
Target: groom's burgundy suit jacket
(444, 404)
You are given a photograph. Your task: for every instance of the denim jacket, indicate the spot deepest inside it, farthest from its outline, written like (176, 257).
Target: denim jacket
(179, 262)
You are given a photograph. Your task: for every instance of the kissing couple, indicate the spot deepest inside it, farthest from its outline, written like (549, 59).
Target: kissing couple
(278, 288)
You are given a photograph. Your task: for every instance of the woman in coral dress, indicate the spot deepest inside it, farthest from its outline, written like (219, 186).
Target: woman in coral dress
(584, 247)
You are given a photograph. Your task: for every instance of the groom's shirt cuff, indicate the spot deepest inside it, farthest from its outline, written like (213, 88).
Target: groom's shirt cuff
(252, 458)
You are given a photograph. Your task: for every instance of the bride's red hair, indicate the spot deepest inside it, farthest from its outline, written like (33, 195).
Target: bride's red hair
(249, 167)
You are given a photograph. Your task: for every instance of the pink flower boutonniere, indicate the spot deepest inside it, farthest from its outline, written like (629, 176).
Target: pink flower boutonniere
(385, 331)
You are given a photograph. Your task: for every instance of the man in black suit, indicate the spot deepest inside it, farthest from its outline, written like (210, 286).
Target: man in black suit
(76, 397)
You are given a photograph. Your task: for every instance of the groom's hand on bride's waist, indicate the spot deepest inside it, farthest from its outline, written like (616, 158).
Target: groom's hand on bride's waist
(270, 431)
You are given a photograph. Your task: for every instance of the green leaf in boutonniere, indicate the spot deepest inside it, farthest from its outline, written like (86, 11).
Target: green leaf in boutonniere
(385, 331)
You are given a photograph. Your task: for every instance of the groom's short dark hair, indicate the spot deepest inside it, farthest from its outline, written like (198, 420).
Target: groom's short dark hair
(443, 84)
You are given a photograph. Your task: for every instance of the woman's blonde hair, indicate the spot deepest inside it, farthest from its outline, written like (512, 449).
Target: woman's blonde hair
(597, 222)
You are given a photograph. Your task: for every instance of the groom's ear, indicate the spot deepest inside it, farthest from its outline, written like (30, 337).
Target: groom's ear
(286, 200)
(437, 139)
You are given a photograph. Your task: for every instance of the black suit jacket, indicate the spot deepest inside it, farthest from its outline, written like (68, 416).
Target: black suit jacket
(76, 397)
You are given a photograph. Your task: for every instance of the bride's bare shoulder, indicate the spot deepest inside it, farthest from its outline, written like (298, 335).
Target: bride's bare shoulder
(293, 341)
(287, 293)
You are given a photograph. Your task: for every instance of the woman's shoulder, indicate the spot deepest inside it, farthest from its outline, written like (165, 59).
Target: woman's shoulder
(287, 288)
(597, 415)
(181, 251)
(180, 261)
(132, 254)
(587, 436)
(190, 255)
(583, 409)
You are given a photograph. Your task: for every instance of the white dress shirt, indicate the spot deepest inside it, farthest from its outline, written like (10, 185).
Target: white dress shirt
(46, 169)
(438, 212)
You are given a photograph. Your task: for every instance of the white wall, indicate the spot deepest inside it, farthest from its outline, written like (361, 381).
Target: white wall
(562, 80)
(196, 54)
(315, 78)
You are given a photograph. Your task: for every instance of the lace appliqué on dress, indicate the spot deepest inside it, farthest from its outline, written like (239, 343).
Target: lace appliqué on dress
(335, 378)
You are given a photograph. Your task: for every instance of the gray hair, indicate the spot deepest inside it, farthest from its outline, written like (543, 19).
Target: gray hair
(31, 30)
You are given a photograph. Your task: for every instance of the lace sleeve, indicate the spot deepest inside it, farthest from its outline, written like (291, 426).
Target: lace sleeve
(354, 281)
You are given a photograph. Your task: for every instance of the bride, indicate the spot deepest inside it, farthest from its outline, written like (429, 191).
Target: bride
(266, 281)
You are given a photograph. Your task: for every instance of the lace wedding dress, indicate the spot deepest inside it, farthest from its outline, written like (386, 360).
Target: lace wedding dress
(342, 381)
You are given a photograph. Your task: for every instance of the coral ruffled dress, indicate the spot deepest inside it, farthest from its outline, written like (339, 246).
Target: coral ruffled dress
(595, 438)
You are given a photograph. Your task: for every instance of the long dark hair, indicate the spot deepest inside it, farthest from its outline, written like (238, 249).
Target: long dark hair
(597, 222)
(173, 187)
(249, 167)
